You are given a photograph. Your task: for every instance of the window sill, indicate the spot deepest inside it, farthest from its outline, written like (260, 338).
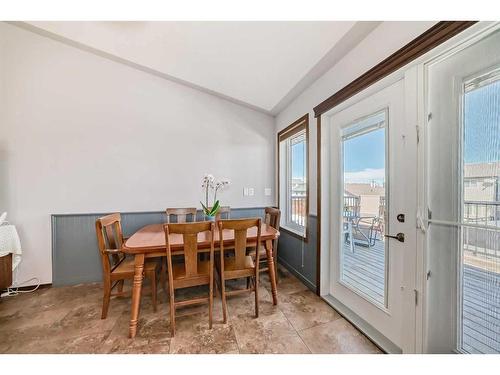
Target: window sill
(302, 235)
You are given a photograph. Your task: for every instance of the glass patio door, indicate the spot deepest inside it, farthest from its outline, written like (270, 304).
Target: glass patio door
(463, 199)
(373, 210)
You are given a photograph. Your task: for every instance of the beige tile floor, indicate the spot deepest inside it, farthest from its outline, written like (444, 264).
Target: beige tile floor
(67, 320)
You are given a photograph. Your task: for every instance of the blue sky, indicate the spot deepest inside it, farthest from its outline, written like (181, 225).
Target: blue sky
(298, 160)
(364, 158)
(365, 152)
(482, 124)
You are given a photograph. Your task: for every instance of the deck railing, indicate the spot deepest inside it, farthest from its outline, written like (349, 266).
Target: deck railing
(482, 240)
(299, 209)
(482, 212)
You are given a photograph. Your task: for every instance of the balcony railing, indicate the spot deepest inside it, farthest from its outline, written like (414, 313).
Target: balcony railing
(481, 212)
(298, 209)
(482, 241)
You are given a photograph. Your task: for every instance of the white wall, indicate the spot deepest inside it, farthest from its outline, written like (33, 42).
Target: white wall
(80, 133)
(383, 41)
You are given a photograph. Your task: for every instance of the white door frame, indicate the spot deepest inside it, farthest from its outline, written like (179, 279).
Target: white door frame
(483, 30)
(407, 84)
(415, 98)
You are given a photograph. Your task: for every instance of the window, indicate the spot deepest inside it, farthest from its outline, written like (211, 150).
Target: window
(479, 274)
(364, 214)
(293, 183)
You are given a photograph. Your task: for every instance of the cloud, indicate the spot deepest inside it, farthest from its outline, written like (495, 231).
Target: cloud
(365, 176)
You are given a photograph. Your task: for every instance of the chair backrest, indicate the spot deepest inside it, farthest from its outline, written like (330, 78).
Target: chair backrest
(381, 208)
(240, 228)
(352, 206)
(189, 232)
(109, 237)
(224, 213)
(181, 214)
(273, 217)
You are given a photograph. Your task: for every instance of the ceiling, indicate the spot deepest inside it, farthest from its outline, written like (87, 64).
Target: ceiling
(263, 65)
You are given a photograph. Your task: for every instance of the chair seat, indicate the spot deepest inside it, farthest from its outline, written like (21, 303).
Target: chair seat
(179, 269)
(232, 271)
(127, 267)
(230, 264)
(262, 253)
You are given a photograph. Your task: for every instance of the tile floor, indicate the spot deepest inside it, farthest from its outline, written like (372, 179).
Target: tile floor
(67, 320)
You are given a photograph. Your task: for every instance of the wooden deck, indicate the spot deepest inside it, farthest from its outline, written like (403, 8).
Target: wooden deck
(481, 310)
(365, 271)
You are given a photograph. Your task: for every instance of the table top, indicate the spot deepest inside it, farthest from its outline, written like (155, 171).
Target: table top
(152, 238)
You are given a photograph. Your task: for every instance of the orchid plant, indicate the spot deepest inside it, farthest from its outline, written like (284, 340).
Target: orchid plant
(209, 183)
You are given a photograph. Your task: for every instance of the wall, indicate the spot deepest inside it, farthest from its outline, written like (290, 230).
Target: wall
(83, 134)
(386, 39)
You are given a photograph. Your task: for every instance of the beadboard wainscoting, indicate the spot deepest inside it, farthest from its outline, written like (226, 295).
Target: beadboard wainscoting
(75, 256)
(298, 255)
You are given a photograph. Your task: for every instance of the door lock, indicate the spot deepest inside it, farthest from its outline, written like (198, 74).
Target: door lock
(400, 237)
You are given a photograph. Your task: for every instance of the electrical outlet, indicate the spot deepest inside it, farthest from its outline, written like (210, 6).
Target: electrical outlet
(267, 192)
(251, 192)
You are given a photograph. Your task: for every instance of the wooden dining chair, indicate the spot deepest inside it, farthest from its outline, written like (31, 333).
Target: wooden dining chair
(223, 213)
(193, 271)
(116, 267)
(272, 218)
(181, 214)
(240, 265)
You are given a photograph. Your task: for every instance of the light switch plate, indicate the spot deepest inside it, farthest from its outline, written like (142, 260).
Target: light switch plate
(267, 192)
(245, 192)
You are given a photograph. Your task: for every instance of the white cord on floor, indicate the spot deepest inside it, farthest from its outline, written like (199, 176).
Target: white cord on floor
(14, 291)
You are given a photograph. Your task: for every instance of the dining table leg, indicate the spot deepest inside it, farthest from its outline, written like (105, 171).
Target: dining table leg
(163, 274)
(136, 293)
(271, 269)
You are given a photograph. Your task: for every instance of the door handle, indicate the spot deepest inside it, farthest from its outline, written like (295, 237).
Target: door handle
(400, 237)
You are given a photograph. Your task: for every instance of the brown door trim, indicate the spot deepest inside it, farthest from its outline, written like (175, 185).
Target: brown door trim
(437, 34)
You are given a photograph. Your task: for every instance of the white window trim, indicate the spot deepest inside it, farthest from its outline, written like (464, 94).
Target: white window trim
(285, 200)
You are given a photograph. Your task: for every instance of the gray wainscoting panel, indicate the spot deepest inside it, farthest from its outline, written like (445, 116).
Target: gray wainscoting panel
(298, 256)
(75, 256)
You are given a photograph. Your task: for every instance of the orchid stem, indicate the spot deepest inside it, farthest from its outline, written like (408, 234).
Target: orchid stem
(206, 196)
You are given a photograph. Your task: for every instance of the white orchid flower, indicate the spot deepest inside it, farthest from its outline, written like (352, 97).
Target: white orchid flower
(219, 185)
(208, 181)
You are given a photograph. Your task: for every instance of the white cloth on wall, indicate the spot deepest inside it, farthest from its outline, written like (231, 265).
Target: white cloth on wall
(10, 242)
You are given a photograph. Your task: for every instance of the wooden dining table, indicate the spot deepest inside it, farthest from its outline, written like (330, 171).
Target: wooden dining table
(149, 242)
